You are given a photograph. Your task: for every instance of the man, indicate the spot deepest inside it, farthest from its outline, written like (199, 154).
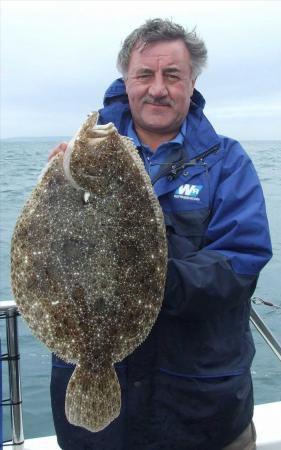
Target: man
(188, 386)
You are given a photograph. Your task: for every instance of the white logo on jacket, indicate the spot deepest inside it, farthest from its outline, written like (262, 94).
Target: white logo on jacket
(188, 192)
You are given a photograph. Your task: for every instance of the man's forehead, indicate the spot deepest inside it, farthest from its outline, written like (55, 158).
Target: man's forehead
(161, 48)
(156, 64)
(169, 53)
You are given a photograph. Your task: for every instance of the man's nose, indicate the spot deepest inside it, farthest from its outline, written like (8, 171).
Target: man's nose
(157, 87)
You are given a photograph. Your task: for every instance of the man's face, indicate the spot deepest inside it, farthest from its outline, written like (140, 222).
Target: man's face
(159, 86)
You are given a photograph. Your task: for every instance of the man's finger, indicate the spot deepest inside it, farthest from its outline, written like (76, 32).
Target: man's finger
(59, 148)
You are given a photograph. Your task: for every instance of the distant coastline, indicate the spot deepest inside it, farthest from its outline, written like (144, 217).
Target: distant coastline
(36, 138)
(67, 138)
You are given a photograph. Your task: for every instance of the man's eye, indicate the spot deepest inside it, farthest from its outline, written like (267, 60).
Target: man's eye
(144, 76)
(171, 76)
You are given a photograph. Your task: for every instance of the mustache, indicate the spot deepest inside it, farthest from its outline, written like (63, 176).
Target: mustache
(157, 101)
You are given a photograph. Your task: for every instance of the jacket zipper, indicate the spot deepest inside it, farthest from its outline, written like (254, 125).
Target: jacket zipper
(174, 170)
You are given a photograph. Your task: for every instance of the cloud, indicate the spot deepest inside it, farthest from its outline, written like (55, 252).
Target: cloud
(59, 57)
(251, 108)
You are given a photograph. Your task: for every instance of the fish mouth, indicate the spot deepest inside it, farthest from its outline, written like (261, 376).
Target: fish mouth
(101, 131)
(90, 135)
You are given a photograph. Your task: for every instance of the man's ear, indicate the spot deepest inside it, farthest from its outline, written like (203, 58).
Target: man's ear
(193, 86)
(125, 79)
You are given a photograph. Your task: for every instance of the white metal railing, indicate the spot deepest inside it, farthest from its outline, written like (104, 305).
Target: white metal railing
(9, 312)
(262, 328)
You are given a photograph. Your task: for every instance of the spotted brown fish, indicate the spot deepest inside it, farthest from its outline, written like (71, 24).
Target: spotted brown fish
(89, 264)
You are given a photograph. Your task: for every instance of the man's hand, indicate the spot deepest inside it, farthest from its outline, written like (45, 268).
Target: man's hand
(59, 148)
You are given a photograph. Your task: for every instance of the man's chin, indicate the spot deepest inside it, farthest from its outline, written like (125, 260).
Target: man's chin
(158, 120)
(159, 126)
(168, 132)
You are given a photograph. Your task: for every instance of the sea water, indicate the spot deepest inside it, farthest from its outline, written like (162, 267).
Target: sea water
(21, 162)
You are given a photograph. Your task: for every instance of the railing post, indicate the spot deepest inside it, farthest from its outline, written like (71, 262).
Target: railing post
(14, 377)
(265, 333)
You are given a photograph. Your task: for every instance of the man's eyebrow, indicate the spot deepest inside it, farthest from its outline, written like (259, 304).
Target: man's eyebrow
(171, 70)
(144, 70)
(147, 70)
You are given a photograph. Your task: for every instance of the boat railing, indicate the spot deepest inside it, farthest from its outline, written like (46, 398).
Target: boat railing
(262, 328)
(9, 312)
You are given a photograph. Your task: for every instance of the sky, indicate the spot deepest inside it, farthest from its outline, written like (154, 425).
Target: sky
(59, 56)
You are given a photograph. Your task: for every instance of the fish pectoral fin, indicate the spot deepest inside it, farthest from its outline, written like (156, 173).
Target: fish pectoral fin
(93, 398)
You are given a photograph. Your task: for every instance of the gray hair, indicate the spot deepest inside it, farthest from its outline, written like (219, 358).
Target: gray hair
(155, 30)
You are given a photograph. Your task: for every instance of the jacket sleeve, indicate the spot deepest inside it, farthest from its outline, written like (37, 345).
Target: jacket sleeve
(237, 245)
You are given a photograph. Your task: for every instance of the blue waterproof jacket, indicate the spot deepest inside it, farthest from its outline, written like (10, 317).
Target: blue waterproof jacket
(188, 386)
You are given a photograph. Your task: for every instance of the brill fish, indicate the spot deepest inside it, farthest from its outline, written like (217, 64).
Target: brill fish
(88, 264)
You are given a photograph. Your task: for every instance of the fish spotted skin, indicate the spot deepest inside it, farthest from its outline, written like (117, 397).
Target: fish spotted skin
(88, 265)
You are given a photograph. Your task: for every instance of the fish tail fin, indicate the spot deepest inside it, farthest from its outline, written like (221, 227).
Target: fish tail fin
(93, 399)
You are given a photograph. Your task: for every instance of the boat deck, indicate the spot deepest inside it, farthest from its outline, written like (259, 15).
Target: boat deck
(44, 443)
(266, 418)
